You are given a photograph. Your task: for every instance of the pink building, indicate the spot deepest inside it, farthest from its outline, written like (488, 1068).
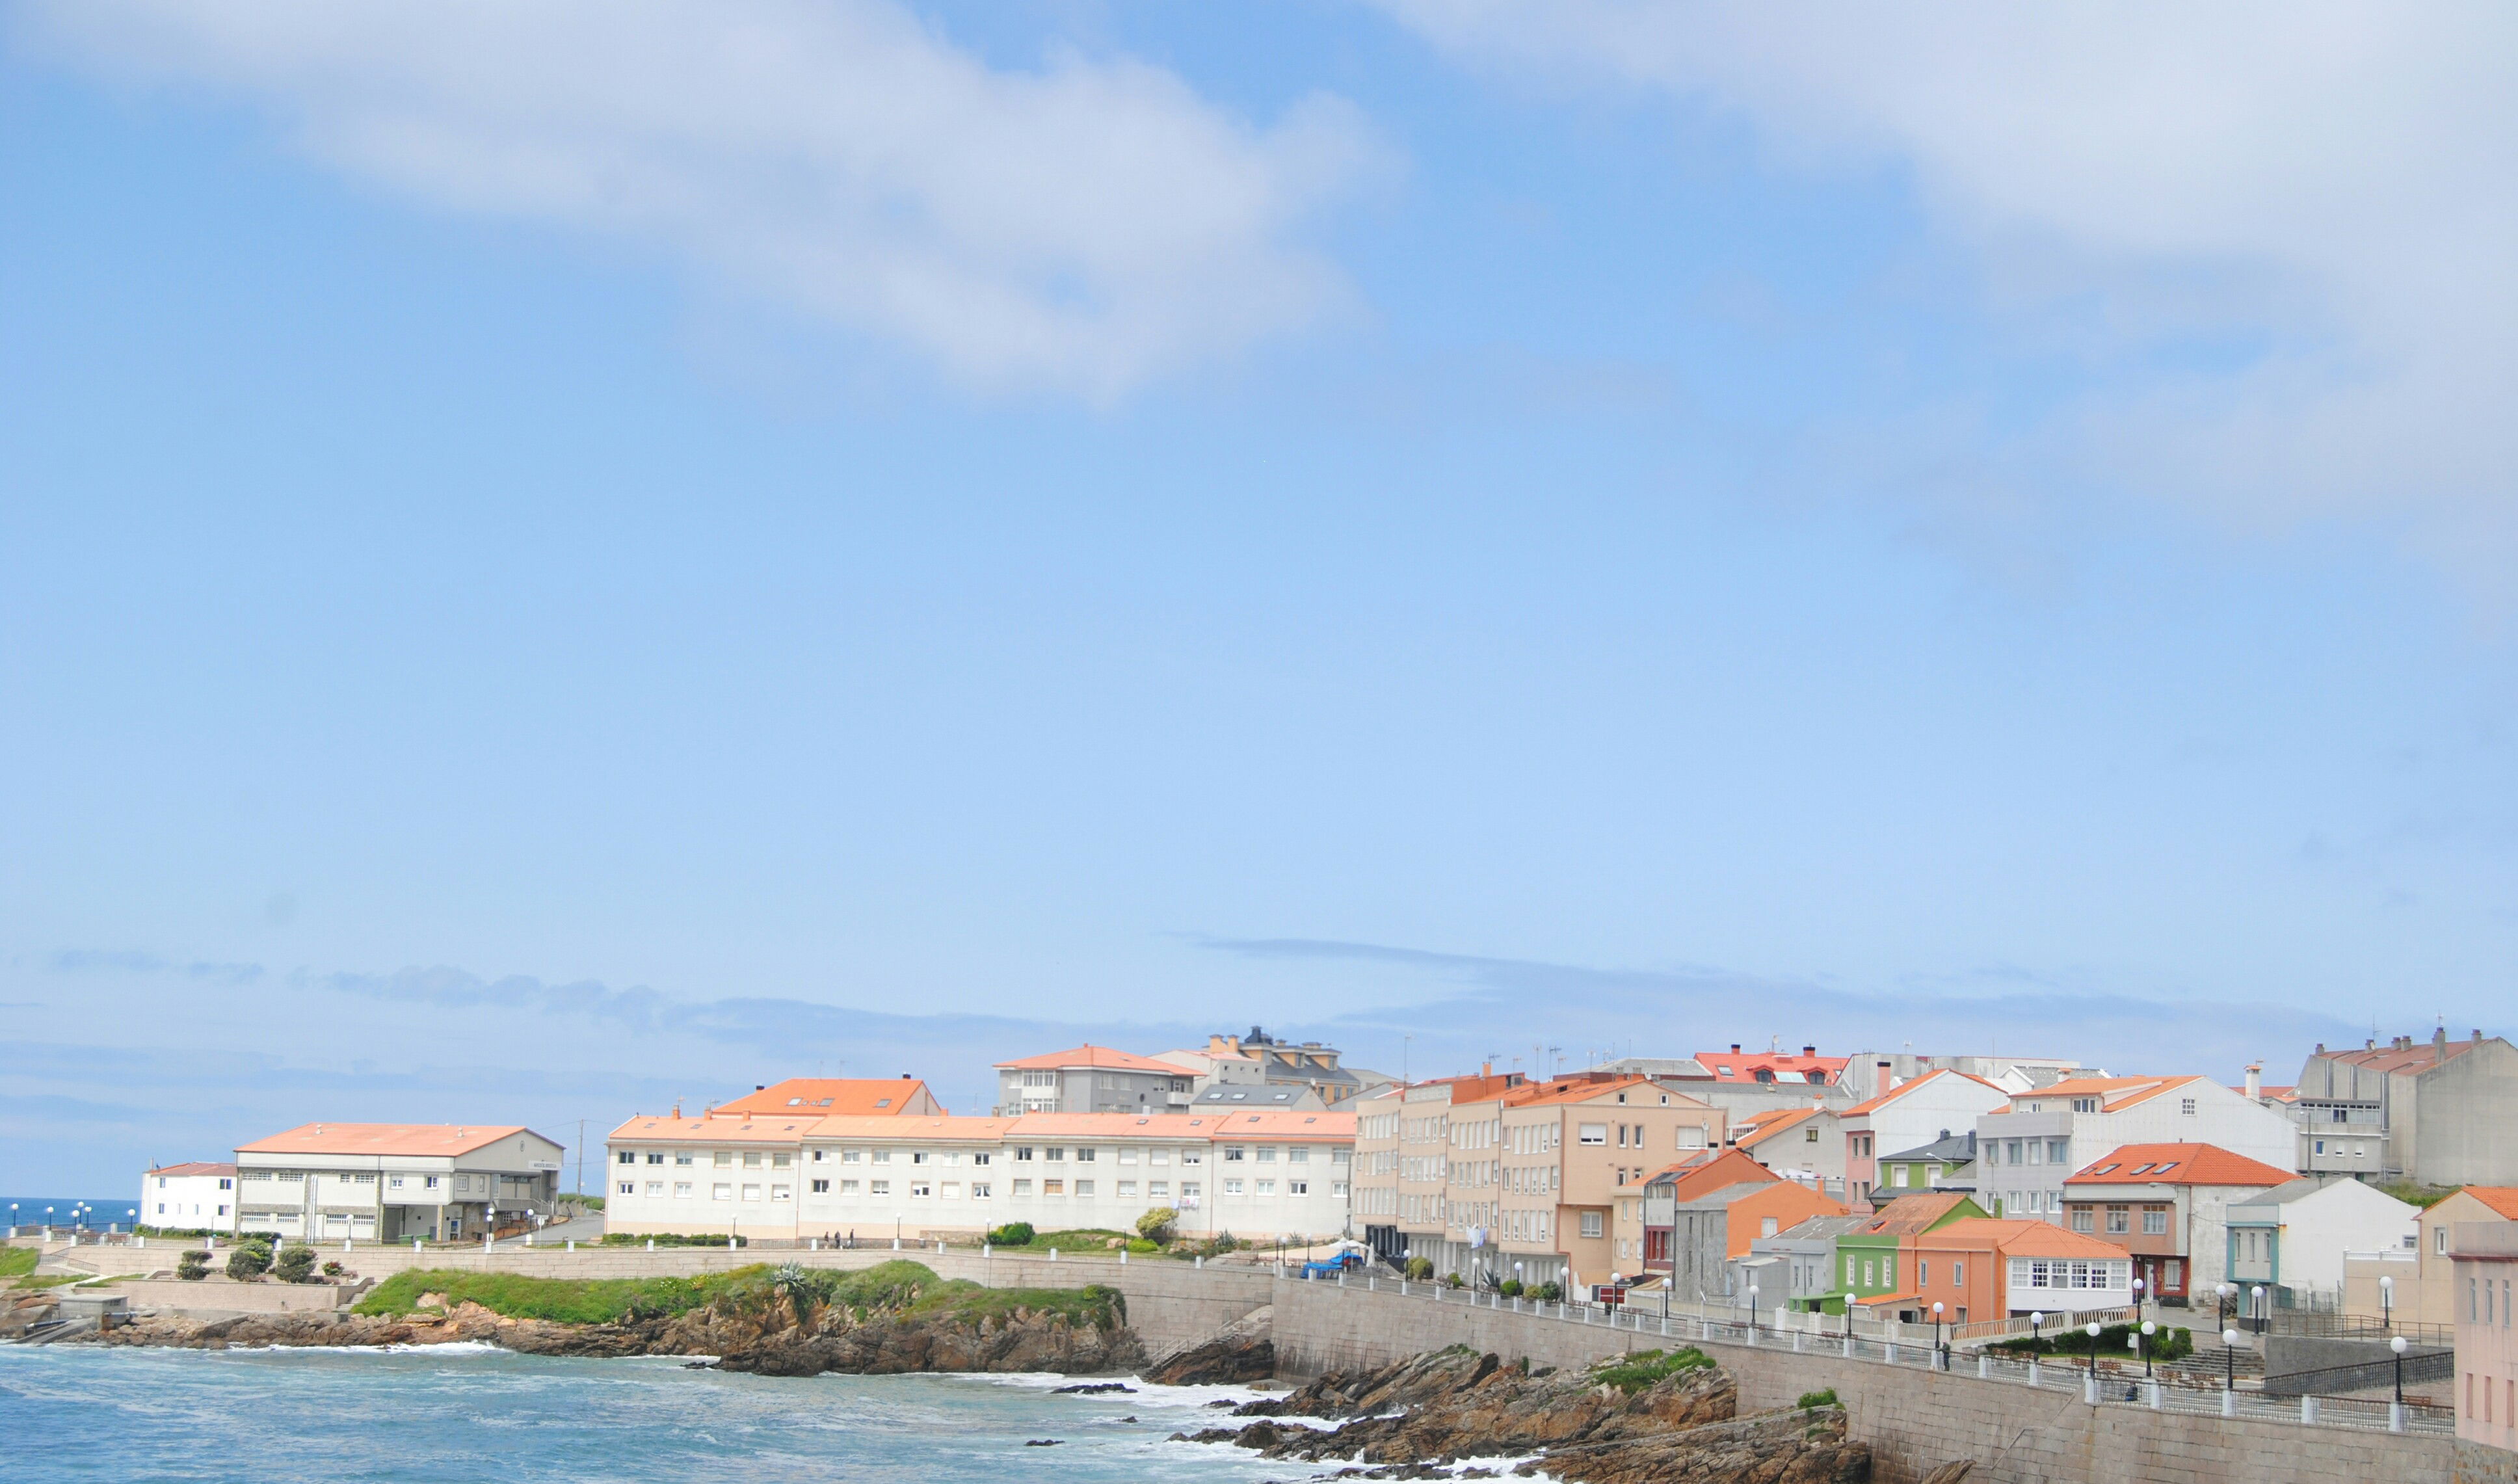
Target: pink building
(2482, 1259)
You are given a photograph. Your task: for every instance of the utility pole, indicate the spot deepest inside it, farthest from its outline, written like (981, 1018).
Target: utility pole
(581, 1158)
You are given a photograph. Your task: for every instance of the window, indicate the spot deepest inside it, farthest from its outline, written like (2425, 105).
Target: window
(1590, 1219)
(626, 1157)
(1849, 1271)
(2119, 1220)
(1267, 1188)
(919, 1189)
(1233, 1187)
(820, 1154)
(2186, 1106)
(724, 1159)
(2081, 1219)
(1127, 1190)
(2154, 1221)
(681, 1190)
(2438, 1243)
(656, 1187)
(1235, 1155)
(2012, 1157)
(2318, 1146)
(1052, 1154)
(1298, 1187)
(877, 1187)
(751, 1193)
(881, 1157)
(980, 1159)
(781, 1162)
(1189, 1190)
(1052, 1187)
(1264, 1156)
(1159, 1190)
(1593, 1133)
(979, 1190)
(848, 1187)
(1958, 1279)
(1898, 1175)
(1922, 1272)
(392, 1182)
(1022, 1187)
(821, 1187)
(432, 1182)
(1023, 1153)
(721, 1192)
(1084, 1156)
(752, 1158)
(782, 1193)
(1298, 1156)
(1810, 1135)
(1338, 1190)
(656, 1156)
(1159, 1156)
(682, 1157)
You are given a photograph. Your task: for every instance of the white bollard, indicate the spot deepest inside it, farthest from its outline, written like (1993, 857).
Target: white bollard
(987, 1249)
(2032, 1370)
(1983, 1367)
(1053, 1254)
(1198, 1263)
(345, 1244)
(2307, 1411)
(2090, 1390)
(895, 1243)
(1123, 1257)
(651, 1243)
(2229, 1402)
(1797, 1342)
(940, 1247)
(415, 1245)
(139, 1241)
(572, 1243)
(2154, 1399)
(2395, 1417)
(811, 1244)
(1848, 1345)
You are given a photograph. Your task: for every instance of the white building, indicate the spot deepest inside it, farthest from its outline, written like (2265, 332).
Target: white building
(1908, 1115)
(2031, 1146)
(1091, 1079)
(2293, 1237)
(1260, 1176)
(189, 1198)
(325, 1182)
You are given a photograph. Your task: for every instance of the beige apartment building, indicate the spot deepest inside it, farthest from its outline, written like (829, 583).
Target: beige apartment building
(1499, 1178)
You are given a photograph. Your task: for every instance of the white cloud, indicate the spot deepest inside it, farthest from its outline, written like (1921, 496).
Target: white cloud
(2336, 183)
(1081, 227)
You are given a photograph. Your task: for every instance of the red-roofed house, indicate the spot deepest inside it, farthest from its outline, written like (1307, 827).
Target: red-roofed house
(1092, 1079)
(2168, 1204)
(1808, 1069)
(193, 1197)
(1803, 1144)
(834, 1098)
(395, 1181)
(2026, 1149)
(1911, 1113)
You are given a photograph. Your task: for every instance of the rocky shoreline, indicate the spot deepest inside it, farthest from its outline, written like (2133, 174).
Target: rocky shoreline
(1653, 1418)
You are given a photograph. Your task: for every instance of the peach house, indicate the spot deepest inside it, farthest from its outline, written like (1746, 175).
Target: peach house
(1990, 1268)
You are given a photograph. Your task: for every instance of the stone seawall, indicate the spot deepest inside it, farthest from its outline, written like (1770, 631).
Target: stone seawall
(1913, 1419)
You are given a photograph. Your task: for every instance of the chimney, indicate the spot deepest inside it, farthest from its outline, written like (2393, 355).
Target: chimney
(2478, 1032)
(906, 1077)
(1735, 1048)
(760, 1087)
(677, 1108)
(1809, 1051)
(2321, 1048)
(2255, 1081)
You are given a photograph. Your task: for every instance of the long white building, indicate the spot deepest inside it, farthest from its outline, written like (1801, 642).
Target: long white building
(193, 1197)
(1260, 1176)
(394, 1181)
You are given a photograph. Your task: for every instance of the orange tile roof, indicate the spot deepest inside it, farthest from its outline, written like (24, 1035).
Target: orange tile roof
(1744, 1066)
(2013, 1236)
(2419, 1056)
(827, 1097)
(1276, 1126)
(2503, 1198)
(942, 1127)
(1702, 1175)
(1090, 1054)
(1569, 1090)
(440, 1139)
(1905, 1087)
(659, 1126)
(194, 1167)
(2178, 1164)
(1909, 1214)
(1768, 1124)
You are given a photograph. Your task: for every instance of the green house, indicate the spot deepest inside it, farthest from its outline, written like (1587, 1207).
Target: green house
(1868, 1264)
(1949, 1160)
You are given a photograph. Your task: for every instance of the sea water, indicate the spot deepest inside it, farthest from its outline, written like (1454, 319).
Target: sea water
(445, 1414)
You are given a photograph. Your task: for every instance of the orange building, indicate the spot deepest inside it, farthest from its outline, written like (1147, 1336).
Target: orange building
(834, 1097)
(1988, 1268)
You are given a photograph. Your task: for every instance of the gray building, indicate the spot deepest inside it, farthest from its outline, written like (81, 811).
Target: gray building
(1797, 1267)
(2437, 1111)
(1091, 1079)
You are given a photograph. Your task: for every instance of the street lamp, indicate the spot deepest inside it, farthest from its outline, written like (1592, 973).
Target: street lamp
(2092, 1332)
(1753, 1312)
(2229, 1295)
(2387, 1302)
(2256, 1306)
(2137, 1287)
(2230, 1359)
(2036, 1320)
(2395, 1347)
(1942, 1356)
(2143, 1344)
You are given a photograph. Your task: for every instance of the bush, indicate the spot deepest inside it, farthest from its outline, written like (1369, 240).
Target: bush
(1144, 1244)
(1452, 1279)
(1548, 1292)
(333, 1270)
(1155, 1226)
(1511, 1287)
(1014, 1234)
(248, 1262)
(193, 1267)
(672, 1240)
(1634, 1371)
(294, 1265)
(2165, 1345)
(1811, 1399)
(1420, 1267)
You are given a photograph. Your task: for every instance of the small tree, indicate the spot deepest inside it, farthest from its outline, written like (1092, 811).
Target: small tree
(1014, 1234)
(294, 1264)
(1155, 1226)
(249, 1261)
(1420, 1267)
(193, 1267)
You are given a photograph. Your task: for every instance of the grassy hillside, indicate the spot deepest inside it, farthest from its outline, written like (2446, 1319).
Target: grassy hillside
(902, 1286)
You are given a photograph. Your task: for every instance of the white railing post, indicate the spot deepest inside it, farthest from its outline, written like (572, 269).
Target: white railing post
(2307, 1411)
(1889, 1352)
(2395, 1417)
(1983, 1367)
(2090, 1389)
(2229, 1402)
(2032, 1369)
(2154, 1399)
(1848, 1344)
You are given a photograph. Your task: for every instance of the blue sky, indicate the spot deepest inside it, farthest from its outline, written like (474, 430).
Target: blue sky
(547, 566)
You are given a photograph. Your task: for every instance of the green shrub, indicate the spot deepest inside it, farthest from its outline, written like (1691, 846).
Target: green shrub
(2165, 1345)
(193, 1267)
(1811, 1399)
(1155, 1226)
(294, 1264)
(1511, 1287)
(333, 1270)
(1452, 1279)
(1014, 1234)
(249, 1261)
(1144, 1244)
(1633, 1371)
(1548, 1292)
(674, 1240)
(1420, 1267)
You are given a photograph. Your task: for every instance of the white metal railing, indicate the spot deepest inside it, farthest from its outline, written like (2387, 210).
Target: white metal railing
(2109, 1383)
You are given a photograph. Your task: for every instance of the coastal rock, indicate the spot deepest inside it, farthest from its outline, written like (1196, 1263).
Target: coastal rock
(1245, 1351)
(890, 1347)
(1606, 1424)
